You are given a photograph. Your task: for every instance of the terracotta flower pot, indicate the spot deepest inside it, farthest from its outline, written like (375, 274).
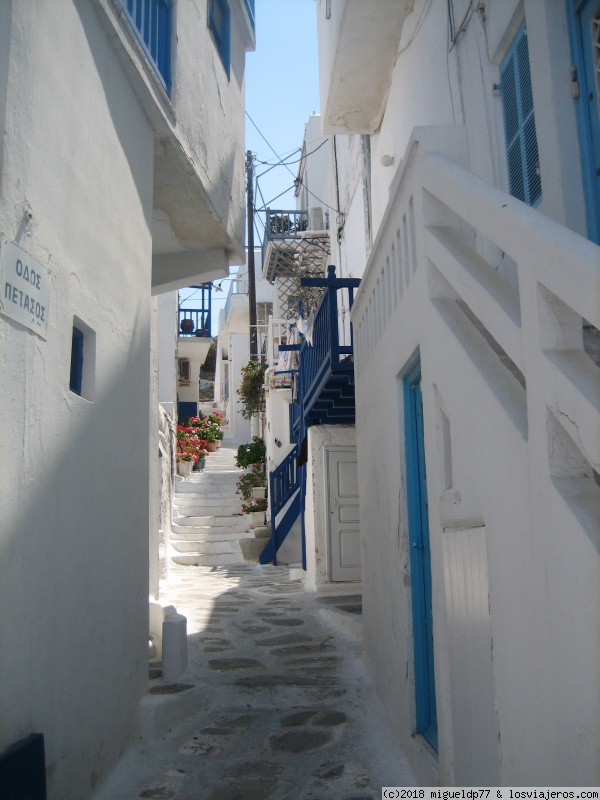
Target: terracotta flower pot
(211, 446)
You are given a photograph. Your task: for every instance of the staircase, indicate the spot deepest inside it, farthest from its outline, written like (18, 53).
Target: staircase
(208, 527)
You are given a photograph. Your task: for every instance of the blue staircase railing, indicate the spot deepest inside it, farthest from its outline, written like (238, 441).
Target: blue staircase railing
(325, 358)
(284, 486)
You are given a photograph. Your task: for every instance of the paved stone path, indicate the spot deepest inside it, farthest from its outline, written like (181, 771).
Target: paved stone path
(287, 712)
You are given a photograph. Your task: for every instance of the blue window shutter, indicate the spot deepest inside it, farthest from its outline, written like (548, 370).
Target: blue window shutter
(524, 180)
(219, 25)
(150, 20)
(76, 378)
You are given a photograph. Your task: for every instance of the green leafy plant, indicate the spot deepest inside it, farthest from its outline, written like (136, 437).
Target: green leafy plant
(250, 392)
(254, 452)
(258, 504)
(246, 483)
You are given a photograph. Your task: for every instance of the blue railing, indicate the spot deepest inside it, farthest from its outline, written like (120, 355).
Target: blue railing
(325, 357)
(194, 322)
(150, 20)
(283, 225)
(284, 482)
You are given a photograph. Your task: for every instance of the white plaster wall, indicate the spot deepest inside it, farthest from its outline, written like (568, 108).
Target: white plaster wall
(317, 169)
(167, 344)
(543, 566)
(542, 561)
(457, 89)
(212, 124)
(74, 473)
(239, 354)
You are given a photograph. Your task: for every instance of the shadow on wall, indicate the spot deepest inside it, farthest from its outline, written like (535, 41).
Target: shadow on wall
(74, 564)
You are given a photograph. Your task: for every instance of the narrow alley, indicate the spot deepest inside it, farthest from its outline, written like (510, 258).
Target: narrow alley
(279, 705)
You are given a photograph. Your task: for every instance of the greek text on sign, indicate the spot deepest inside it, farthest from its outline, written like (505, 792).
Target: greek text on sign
(24, 287)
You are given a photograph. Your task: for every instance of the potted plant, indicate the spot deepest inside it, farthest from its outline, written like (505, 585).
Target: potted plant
(251, 388)
(254, 452)
(256, 508)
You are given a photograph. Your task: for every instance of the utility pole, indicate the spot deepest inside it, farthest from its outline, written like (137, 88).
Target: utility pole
(251, 278)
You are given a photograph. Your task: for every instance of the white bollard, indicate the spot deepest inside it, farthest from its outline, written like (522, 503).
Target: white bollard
(174, 647)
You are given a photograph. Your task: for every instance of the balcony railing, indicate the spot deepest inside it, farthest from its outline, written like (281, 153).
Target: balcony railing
(194, 322)
(283, 225)
(327, 366)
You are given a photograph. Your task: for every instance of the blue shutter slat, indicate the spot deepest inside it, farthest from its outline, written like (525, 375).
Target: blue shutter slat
(519, 121)
(151, 22)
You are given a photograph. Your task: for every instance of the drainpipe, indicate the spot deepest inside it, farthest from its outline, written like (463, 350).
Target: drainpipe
(365, 141)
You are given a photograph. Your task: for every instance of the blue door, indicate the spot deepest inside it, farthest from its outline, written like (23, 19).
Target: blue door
(420, 556)
(584, 27)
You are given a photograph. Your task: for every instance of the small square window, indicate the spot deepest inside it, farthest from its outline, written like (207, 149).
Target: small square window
(76, 379)
(219, 26)
(82, 378)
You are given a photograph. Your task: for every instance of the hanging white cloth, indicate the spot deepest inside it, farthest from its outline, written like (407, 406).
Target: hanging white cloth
(306, 327)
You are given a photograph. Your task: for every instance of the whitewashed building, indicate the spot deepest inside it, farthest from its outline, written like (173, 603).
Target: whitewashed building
(121, 176)
(467, 144)
(233, 345)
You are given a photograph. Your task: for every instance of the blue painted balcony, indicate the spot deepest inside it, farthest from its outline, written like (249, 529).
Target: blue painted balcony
(196, 322)
(326, 375)
(282, 237)
(325, 396)
(193, 322)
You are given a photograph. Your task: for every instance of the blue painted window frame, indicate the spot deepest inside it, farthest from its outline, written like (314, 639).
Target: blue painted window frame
(219, 24)
(524, 180)
(76, 376)
(251, 13)
(420, 562)
(151, 21)
(585, 124)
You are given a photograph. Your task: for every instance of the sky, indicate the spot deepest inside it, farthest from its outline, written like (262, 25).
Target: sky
(282, 91)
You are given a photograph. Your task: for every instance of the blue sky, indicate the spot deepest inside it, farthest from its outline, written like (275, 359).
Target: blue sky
(282, 91)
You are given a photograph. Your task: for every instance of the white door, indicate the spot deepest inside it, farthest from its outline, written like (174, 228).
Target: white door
(344, 519)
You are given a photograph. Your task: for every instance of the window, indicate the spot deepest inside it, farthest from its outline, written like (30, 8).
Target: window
(82, 377)
(524, 181)
(76, 378)
(151, 23)
(218, 23)
(184, 371)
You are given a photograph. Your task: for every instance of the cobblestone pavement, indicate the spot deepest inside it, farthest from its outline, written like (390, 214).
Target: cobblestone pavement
(287, 712)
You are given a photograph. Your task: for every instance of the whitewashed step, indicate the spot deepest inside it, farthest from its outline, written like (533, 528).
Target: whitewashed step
(208, 530)
(184, 535)
(208, 560)
(206, 548)
(238, 522)
(207, 493)
(216, 507)
(208, 487)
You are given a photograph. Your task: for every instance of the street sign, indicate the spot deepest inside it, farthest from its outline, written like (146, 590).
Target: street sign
(24, 287)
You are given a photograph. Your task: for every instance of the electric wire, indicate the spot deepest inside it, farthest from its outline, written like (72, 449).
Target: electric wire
(269, 144)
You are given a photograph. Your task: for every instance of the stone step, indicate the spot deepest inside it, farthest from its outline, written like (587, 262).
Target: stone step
(191, 486)
(237, 522)
(208, 560)
(207, 547)
(213, 476)
(185, 535)
(209, 492)
(217, 507)
(204, 530)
